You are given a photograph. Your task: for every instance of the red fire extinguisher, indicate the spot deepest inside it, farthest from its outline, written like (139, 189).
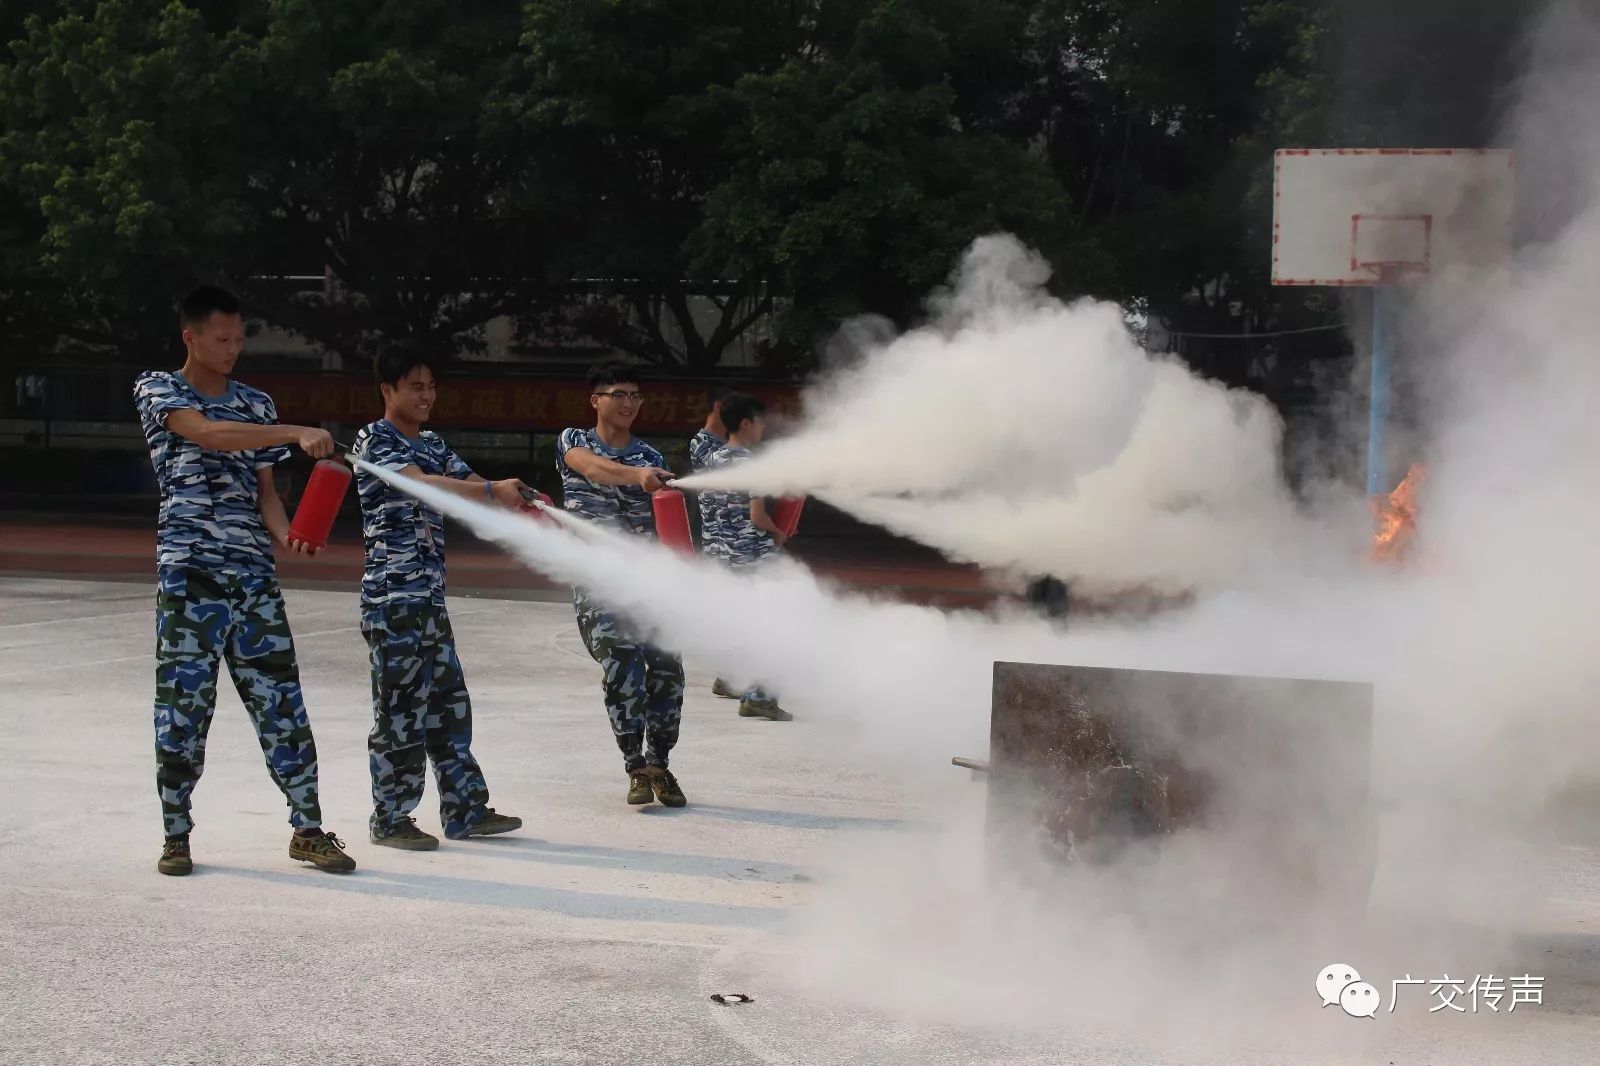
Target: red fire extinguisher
(786, 514)
(672, 519)
(534, 511)
(319, 504)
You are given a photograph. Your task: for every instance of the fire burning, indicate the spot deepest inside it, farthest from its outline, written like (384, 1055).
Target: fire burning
(1397, 517)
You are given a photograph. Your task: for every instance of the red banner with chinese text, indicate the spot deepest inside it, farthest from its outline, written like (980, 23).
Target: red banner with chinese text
(512, 404)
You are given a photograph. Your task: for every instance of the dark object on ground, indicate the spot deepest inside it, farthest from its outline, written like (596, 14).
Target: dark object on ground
(1049, 597)
(1087, 762)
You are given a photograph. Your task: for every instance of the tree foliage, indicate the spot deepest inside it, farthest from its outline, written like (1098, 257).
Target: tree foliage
(675, 176)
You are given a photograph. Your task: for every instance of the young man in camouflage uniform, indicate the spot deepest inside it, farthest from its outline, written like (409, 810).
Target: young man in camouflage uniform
(711, 436)
(707, 441)
(607, 476)
(738, 531)
(213, 443)
(420, 707)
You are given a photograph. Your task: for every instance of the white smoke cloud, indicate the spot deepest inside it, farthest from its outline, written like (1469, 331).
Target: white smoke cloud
(1023, 433)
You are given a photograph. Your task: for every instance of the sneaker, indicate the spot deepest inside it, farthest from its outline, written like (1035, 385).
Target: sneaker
(492, 823)
(666, 787)
(767, 709)
(404, 835)
(322, 850)
(175, 860)
(639, 790)
(721, 688)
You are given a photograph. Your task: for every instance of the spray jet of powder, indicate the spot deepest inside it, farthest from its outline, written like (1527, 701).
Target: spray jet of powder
(913, 686)
(887, 669)
(890, 671)
(1020, 432)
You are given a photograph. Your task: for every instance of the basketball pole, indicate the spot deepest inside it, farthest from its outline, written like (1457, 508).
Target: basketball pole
(1384, 300)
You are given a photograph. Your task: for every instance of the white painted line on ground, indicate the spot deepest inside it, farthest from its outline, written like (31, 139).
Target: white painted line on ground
(80, 618)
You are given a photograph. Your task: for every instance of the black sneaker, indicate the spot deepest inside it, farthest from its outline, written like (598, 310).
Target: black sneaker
(666, 787)
(404, 835)
(175, 860)
(322, 850)
(639, 788)
(492, 823)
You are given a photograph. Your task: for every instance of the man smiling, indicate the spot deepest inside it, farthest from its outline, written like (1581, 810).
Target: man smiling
(420, 708)
(607, 476)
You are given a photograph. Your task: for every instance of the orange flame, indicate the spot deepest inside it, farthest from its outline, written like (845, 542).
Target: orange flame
(1397, 517)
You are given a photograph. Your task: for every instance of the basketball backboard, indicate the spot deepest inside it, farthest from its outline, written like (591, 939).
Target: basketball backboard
(1385, 216)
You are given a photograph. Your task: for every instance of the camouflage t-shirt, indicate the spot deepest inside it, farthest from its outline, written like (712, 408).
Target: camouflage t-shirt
(625, 508)
(728, 534)
(702, 446)
(210, 517)
(404, 539)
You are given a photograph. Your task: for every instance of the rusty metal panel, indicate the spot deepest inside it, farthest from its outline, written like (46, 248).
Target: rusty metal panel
(1089, 759)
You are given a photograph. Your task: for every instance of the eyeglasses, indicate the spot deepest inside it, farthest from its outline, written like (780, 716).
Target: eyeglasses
(617, 394)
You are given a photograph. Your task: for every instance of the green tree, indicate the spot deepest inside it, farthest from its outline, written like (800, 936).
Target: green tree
(164, 141)
(633, 99)
(869, 161)
(811, 161)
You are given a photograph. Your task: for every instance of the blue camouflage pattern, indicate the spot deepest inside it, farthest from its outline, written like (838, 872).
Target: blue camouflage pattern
(702, 446)
(622, 508)
(643, 686)
(727, 533)
(403, 537)
(201, 619)
(728, 536)
(210, 514)
(421, 713)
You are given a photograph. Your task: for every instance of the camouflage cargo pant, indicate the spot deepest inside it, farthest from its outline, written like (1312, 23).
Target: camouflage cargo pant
(643, 686)
(420, 713)
(202, 618)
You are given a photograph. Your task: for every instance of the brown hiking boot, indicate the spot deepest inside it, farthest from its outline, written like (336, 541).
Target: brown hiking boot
(666, 787)
(721, 688)
(322, 850)
(639, 789)
(491, 823)
(405, 835)
(175, 860)
(767, 709)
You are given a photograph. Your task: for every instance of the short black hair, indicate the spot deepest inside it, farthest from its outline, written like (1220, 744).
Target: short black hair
(737, 407)
(397, 360)
(718, 392)
(204, 302)
(611, 374)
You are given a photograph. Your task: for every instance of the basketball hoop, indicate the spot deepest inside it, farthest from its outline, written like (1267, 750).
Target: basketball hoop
(1392, 249)
(1382, 217)
(1387, 219)
(1395, 272)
